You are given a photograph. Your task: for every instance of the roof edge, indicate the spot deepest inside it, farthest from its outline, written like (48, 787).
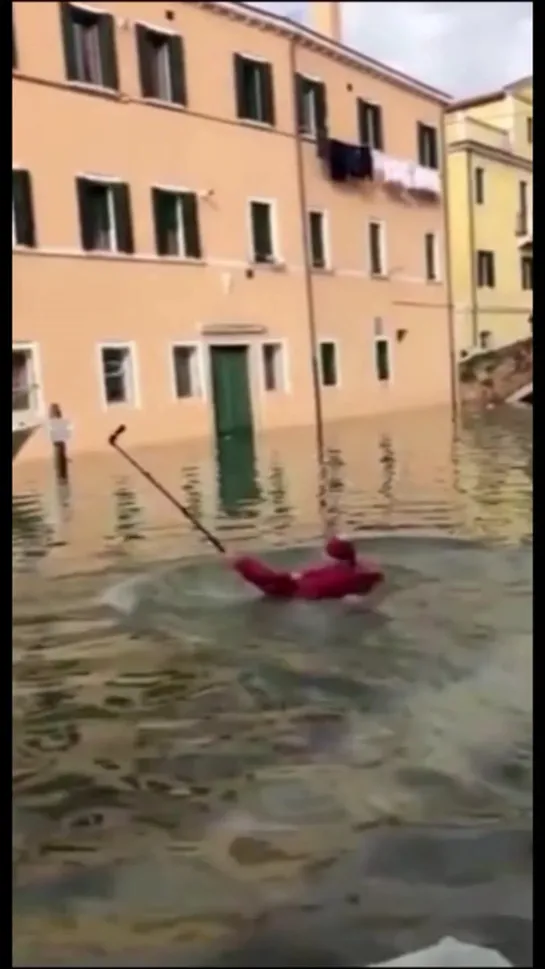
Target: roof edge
(296, 30)
(488, 97)
(477, 101)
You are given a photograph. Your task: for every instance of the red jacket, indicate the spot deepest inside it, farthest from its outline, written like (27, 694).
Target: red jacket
(338, 580)
(330, 581)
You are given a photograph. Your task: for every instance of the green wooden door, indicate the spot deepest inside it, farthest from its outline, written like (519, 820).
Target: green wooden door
(231, 390)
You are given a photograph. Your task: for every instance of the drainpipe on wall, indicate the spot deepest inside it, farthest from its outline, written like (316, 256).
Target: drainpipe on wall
(454, 388)
(309, 289)
(472, 253)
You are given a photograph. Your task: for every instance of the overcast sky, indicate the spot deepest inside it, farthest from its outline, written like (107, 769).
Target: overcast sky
(461, 48)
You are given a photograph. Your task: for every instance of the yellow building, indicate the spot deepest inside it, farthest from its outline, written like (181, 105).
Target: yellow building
(489, 140)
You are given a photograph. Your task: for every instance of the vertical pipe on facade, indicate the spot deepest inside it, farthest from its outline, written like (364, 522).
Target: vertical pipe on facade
(309, 288)
(472, 252)
(451, 322)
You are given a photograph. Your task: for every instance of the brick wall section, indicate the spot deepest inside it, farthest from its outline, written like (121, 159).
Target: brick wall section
(492, 376)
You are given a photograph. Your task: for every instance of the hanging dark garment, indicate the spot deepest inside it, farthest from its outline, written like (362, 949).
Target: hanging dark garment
(345, 161)
(338, 161)
(360, 161)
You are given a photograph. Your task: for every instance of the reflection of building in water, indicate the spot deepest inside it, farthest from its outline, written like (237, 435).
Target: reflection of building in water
(29, 525)
(333, 485)
(494, 492)
(191, 490)
(388, 462)
(277, 493)
(190, 300)
(127, 511)
(395, 470)
(236, 468)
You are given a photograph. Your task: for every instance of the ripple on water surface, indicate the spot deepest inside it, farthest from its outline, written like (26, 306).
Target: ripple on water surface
(200, 776)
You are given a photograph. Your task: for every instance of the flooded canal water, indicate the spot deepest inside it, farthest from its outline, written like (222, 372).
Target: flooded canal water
(205, 778)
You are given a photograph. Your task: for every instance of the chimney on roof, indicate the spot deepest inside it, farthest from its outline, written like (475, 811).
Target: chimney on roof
(325, 19)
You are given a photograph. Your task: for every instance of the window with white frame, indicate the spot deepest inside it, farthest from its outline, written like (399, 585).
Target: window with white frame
(311, 105)
(254, 90)
(431, 257)
(186, 371)
(370, 124)
(329, 369)
(274, 366)
(24, 385)
(262, 232)
(89, 46)
(377, 249)
(486, 269)
(176, 218)
(161, 65)
(318, 252)
(382, 359)
(105, 215)
(118, 376)
(427, 146)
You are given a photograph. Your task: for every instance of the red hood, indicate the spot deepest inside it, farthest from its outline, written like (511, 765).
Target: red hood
(341, 550)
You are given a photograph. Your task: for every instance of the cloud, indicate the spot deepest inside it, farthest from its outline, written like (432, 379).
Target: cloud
(462, 48)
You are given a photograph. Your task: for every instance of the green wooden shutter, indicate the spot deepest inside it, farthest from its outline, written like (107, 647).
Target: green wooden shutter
(379, 129)
(67, 29)
(363, 120)
(108, 52)
(160, 220)
(85, 215)
(123, 217)
(13, 44)
(190, 215)
(240, 97)
(267, 87)
(177, 70)
(300, 103)
(434, 149)
(321, 107)
(421, 148)
(24, 208)
(144, 62)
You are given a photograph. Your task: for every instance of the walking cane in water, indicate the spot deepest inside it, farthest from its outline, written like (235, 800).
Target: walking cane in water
(345, 576)
(113, 441)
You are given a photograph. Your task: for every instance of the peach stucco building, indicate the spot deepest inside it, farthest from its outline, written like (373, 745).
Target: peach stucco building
(220, 216)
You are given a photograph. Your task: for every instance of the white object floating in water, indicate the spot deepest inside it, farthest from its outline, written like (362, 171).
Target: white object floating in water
(448, 952)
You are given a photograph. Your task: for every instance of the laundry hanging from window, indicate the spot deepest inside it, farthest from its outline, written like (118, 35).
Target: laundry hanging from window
(346, 162)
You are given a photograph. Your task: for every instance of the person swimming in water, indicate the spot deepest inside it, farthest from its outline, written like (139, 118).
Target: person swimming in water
(344, 576)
